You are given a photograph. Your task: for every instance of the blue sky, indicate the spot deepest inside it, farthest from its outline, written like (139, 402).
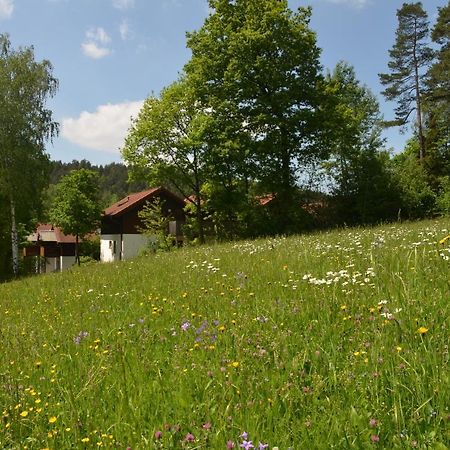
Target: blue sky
(109, 55)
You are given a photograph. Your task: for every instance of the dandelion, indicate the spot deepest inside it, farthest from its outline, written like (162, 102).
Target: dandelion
(422, 330)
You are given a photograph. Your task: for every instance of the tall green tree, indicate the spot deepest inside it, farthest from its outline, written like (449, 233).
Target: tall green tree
(25, 125)
(361, 181)
(255, 66)
(438, 98)
(167, 145)
(410, 57)
(76, 207)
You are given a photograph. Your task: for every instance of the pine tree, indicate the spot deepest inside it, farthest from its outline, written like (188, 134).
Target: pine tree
(409, 58)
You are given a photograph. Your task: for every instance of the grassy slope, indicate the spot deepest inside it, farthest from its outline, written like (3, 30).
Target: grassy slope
(306, 342)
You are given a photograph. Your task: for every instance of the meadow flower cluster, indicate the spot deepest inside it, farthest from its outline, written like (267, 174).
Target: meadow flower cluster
(331, 340)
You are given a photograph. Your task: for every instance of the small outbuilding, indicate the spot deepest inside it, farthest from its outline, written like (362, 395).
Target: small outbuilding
(121, 236)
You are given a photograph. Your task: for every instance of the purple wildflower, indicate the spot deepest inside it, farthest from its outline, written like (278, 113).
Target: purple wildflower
(230, 445)
(373, 422)
(207, 426)
(262, 446)
(81, 335)
(158, 434)
(244, 435)
(247, 445)
(189, 437)
(185, 326)
(375, 438)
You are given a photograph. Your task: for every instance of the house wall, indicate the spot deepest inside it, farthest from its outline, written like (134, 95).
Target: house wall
(114, 248)
(110, 247)
(132, 245)
(51, 265)
(58, 264)
(66, 262)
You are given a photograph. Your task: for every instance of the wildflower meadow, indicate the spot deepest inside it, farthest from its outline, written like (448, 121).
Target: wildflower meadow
(331, 340)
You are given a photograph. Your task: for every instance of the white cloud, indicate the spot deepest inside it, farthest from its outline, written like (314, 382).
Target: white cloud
(94, 51)
(125, 30)
(105, 129)
(95, 44)
(354, 3)
(98, 35)
(6, 8)
(123, 4)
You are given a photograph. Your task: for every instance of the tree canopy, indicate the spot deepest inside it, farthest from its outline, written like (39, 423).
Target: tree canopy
(410, 56)
(76, 208)
(25, 125)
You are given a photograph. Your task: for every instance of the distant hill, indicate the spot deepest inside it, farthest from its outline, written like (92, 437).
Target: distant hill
(114, 182)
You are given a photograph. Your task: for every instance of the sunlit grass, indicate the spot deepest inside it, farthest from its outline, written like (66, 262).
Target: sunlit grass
(332, 340)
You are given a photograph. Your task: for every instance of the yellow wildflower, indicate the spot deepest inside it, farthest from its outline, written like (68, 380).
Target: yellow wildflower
(52, 419)
(422, 330)
(24, 414)
(444, 240)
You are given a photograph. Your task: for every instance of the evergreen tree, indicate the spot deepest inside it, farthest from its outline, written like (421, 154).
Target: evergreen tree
(438, 100)
(409, 58)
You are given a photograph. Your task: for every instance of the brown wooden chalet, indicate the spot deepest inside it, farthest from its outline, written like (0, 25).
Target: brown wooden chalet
(54, 250)
(121, 237)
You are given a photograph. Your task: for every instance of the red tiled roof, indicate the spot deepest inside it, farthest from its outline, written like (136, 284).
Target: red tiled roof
(131, 200)
(47, 232)
(265, 199)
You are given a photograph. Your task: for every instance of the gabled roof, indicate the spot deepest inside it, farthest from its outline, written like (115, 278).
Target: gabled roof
(46, 232)
(132, 200)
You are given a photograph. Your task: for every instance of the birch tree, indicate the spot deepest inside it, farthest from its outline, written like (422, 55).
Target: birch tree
(25, 125)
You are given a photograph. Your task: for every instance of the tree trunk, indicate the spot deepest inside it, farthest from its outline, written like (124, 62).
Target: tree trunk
(418, 106)
(14, 239)
(77, 256)
(201, 230)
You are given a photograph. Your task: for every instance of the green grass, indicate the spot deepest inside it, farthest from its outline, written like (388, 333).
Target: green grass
(308, 342)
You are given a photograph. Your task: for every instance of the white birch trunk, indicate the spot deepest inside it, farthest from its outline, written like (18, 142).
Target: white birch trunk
(14, 239)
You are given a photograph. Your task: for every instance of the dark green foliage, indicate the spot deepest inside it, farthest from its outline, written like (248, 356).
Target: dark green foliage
(114, 182)
(76, 208)
(362, 184)
(255, 66)
(409, 58)
(166, 145)
(25, 125)
(155, 225)
(417, 197)
(438, 102)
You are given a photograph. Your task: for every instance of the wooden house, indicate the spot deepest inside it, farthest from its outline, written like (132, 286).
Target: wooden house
(121, 237)
(54, 251)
